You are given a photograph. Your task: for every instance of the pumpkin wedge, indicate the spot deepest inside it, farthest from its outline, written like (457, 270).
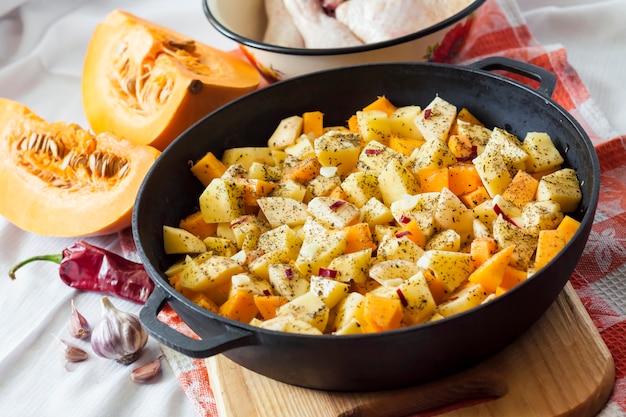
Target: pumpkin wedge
(148, 84)
(57, 179)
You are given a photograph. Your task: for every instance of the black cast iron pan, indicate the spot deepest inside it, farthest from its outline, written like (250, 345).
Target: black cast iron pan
(376, 361)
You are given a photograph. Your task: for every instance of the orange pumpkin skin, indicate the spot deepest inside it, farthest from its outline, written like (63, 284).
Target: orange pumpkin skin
(147, 83)
(59, 180)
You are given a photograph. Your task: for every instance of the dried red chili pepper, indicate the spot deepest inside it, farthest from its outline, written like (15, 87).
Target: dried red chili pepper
(90, 268)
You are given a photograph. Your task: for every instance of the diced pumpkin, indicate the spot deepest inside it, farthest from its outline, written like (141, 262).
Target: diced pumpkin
(568, 227)
(240, 306)
(433, 179)
(412, 231)
(482, 249)
(490, 273)
(268, 304)
(512, 277)
(475, 198)
(522, 189)
(381, 103)
(304, 171)
(147, 83)
(194, 223)
(463, 178)
(47, 187)
(358, 238)
(549, 244)
(313, 123)
(381, 313)
(406, 146)
(207, 168)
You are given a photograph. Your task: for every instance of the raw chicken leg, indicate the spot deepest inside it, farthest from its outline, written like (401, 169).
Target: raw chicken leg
(317, 28)
(280, 27)
(380, 20)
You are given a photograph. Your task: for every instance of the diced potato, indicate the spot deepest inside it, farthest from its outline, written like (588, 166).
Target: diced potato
(352, 327)
(563, 187)
(373, 125)
(450, 269)
(321, 186)
(288, 130)
(478, 135)
(248, 227)
(308, 307)
(318, 251)
(301, 149)
(211, 273)
(260, 266)
(361, 186)
(433, 154)
(374, 212)
(350, 308)
(493, 171)
(250, 283)
(402, 122)
(280, 238)
(375, 156)
(452, 214)
(507, 234)
(177, 240)
(447, 239)
(222, 201)
(393, 247)
(287, 281)
(418, 302)
(435, 121)
(463, 300)
(338, 149)
(220, 246)
(352, 267)
(510, 147)
(288, 324)
(543, 155)
(541, 215)
(393, 269)
(420, 207)
(263, 171)
(329, 290)
(283, 210)
(247, 155)
(395, 181)
(333, 212)
(289, 189)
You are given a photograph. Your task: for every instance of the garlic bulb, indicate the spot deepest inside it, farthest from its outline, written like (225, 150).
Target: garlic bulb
(119, 335)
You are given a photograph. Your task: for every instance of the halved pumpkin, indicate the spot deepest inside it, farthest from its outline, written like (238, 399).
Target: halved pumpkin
(57, 179)
(147, 83)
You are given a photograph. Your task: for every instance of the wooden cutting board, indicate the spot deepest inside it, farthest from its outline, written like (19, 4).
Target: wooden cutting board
(559, 367)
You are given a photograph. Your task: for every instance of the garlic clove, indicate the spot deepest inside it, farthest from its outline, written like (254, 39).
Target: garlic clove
(147, 371)
(79, 326)
(72, 353)
(118, 335)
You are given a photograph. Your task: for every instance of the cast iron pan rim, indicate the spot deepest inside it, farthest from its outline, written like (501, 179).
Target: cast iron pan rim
(586, 218)
(337, 51)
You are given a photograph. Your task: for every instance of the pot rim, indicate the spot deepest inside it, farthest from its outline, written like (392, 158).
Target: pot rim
(243, 40)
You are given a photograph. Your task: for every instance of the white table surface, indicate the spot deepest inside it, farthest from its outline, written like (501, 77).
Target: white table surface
(42, 44)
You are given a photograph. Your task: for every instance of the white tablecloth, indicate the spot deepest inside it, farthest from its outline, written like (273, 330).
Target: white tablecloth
(42, 45)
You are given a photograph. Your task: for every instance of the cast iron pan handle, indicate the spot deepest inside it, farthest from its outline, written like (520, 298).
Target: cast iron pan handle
(546, 79)
(197, 348)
